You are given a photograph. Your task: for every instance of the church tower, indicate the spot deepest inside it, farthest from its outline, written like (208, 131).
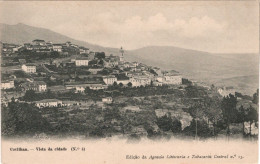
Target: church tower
(122, 54)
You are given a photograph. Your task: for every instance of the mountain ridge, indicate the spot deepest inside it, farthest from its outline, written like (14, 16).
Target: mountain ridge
(193, 64)
(21, 33)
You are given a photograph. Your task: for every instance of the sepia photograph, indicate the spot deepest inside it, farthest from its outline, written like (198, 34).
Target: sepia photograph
(121, 82)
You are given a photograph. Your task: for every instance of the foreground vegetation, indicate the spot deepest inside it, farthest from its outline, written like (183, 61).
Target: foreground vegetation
(211, 115)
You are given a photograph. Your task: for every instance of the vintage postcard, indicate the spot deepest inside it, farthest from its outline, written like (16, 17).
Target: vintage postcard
(127, 82)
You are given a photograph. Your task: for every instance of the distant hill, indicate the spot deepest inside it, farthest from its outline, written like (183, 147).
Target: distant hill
(238, 70)
(21, 33)
(244, 84)
(209, 68)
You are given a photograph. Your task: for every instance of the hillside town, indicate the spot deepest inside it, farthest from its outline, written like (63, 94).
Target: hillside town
(87, 69)
(76, 89)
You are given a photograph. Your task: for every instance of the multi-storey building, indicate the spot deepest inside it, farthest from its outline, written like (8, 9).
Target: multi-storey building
(109, 80)
(7, 84)
(83, 50)
(39, 42)
(81, 61)
(29, 68)
(38, 86)
(57, 47)
(48, 103)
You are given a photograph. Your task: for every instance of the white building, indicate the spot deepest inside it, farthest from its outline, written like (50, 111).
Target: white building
(110, 62)
(38, 86)
(81, 87)
(81, 61)
(16, 49)
(140, 81)
(7, 84)
(95, 70)
(160, 79)
(225, 92)
(57, 47)
(97, 87)
(39, 42)
(173, 79)
(29, 68)
(109, 80)
(107, 100)
(126, 64)
(83, 50)
(135, 64)
(48, 103)
(156, 83)
(42, 87)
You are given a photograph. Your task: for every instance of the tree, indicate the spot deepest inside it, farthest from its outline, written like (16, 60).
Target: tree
(212, 87)
(153, 72)
(115, 84)
(229, 111)
(196, 111)
(92, 62)
(54, 54)
(46, 95)
(151, 84)
(164, 123)
(121, 85)
(129, 84)
(104, 72)
(97, 132)
(213, 110)
(242, 116)
(203, 129)
(192, 92)
(252, 116)
(30, 95)
(23, 118)
(256, 97)
(186, 82)
(100, 55)
(101, 62)
(176, 126)
(87, 90)
(237, 94)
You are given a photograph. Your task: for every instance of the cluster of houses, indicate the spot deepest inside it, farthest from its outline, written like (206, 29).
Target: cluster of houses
(38, 86)
(135, 75)
(40, 46)
(9, 48)
(122, 73)
(224, 91)
(7, 84)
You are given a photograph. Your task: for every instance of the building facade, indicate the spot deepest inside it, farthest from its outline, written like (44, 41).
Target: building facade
(57, 47)
(109, 80)
(38, 86)
(83, 50)
(81, 61)
(107, 100)
(39, 42)
(173, 79)
(29, 68)
(48, 103)
(7, 84)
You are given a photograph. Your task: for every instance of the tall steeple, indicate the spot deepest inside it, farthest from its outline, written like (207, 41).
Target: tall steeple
(122, 54)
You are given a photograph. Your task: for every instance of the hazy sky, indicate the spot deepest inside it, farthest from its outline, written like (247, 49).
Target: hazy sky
(209, 26)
